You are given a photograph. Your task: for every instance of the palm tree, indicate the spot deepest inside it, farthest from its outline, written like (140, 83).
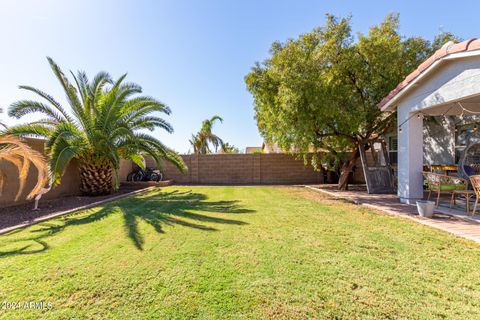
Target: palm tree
(105, 124)
(229, 148)
(19, 154)
(1, 123)
(201, 141)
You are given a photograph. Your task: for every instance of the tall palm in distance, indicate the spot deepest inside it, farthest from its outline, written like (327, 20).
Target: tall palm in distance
(1, 123)
(105, 124)
(205, 137)
(229, 148)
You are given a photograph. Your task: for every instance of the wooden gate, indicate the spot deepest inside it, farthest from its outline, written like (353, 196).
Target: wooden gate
(376, 167)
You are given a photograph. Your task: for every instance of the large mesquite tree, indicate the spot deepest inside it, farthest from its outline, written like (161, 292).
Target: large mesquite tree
(320, 92)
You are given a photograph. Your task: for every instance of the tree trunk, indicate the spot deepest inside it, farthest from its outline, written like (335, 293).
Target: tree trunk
(347, 167)
(96, 176)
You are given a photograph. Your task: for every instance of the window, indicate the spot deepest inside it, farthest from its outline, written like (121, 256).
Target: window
(392, 149)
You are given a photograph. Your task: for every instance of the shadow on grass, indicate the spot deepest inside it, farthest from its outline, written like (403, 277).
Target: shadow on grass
(166, 208)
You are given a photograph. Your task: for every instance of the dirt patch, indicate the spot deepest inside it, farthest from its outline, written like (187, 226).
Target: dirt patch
(316, 196)
(11, 216)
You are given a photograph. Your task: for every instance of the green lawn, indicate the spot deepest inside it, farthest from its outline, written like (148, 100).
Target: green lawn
(237, 252)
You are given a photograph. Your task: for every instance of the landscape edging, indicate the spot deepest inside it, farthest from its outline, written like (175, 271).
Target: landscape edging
(70, 211)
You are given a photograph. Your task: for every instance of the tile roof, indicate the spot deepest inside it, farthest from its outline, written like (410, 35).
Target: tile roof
(446, 50)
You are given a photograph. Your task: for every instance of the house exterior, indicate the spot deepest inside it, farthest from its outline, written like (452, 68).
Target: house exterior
(271, 148)
(437, 106)
(265, 148)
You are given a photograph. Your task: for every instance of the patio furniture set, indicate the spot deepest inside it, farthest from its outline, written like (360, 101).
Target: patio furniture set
(445, 183)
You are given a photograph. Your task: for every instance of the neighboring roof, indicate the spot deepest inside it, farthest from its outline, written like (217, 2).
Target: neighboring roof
(252, 149)
(446, 50)
(271, 148)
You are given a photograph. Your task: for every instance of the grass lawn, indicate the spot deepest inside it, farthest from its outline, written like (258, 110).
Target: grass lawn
(237, 252)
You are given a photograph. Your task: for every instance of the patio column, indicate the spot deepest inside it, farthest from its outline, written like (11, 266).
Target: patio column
(410, 156)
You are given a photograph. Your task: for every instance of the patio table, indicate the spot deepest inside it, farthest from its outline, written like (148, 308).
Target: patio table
(446, 168)
(466, 193)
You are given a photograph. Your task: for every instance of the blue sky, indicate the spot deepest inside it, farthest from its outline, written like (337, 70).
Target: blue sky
(192, 55)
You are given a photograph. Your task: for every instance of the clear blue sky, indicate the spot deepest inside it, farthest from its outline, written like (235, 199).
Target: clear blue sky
(192, 55)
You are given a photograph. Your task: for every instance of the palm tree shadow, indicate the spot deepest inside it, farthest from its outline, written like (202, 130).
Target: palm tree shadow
(157, 210)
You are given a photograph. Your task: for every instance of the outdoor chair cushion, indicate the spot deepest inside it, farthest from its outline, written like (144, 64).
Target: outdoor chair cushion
(448, 187)
(470, 171)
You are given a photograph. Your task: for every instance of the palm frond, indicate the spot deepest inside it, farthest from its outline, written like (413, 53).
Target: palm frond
(151, 123)
(26, 107)
(30, 130)
(64, 130)
(62, 151)
(50, 99)
(13, 150)
(101, 79)
(140, 106)
(70, 92)
(81, 80)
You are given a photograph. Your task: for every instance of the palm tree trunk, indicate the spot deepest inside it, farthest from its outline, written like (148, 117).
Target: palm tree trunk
(96, 176)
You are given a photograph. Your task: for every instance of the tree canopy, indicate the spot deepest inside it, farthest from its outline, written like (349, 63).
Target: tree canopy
(320, 92)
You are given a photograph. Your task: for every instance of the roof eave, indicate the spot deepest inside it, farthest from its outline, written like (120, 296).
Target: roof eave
(391, 104)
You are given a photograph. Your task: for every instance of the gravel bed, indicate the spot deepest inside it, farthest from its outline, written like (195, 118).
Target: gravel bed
(14, 215)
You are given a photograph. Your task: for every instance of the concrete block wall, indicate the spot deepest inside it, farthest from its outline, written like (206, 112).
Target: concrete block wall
(242, 169)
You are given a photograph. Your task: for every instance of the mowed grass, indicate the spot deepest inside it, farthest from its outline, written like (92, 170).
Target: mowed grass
(237, 253)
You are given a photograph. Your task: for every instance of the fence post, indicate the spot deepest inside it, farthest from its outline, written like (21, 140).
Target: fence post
(257, 168)
(195, 169)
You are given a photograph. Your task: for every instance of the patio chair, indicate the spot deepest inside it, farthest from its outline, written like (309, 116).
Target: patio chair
(441, 183)
(475, 180)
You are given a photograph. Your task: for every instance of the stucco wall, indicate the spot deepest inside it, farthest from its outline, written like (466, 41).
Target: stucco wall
(454, 79)
(439, 140)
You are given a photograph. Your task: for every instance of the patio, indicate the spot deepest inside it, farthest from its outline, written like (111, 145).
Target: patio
(445, 88)
(454, 221)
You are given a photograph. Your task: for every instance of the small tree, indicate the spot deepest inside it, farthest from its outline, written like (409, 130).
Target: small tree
(320, 92)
